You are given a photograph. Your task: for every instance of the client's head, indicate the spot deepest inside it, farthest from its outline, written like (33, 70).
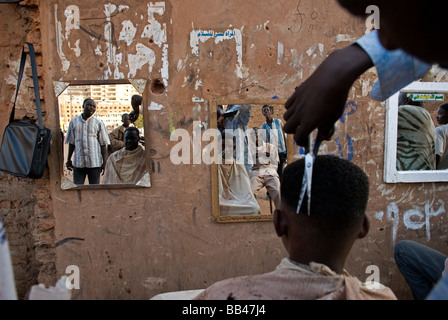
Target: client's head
(339, 196)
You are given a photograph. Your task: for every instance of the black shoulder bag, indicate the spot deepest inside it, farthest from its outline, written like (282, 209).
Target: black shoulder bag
(25, 144)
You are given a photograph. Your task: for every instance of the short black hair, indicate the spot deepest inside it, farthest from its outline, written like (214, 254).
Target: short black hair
(271, 108)
(88, 99)
(135, 129)
(444, 106)
(339, 192)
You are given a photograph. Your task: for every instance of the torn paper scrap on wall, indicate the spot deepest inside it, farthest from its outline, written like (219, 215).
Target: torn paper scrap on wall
(197, 36)
(119, 35)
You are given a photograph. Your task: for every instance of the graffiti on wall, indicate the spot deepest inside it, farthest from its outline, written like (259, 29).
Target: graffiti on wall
(413, 219)
(123, 39)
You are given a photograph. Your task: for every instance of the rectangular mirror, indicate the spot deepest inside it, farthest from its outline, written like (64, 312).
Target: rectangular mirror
(411, 133)
(125, 168)
(240, 190)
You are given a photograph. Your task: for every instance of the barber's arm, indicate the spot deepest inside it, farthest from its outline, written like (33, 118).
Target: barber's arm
(319, 101)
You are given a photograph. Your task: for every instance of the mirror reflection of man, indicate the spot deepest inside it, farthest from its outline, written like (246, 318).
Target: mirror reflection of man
(264, 171)
(416, 136)
(275, 135)
(442, 137)
(87, 139)
(235, 193)
(127, 165)
(116, 136)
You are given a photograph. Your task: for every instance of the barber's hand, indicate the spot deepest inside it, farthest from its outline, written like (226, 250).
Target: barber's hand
(133, 116)
(319, 101)
(69, 165)
(102, 169)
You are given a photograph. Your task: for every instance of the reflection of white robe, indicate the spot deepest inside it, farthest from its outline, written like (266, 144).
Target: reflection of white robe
(125, 166)
(235, 194)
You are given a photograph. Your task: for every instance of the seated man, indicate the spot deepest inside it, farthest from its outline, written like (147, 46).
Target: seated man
(127, 165)
(235, 193)
(420, 265)
(264, 171)
(318, 242)
(116, 136)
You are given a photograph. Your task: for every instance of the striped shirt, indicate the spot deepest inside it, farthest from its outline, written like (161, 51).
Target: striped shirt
(278, 136)
(416, 139)
(88, 136)
(441, 146)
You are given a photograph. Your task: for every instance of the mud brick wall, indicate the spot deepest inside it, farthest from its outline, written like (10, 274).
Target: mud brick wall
(133, 243)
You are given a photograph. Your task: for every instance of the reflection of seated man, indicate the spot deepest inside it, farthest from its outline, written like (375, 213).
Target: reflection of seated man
(442, 138)
(127, 165)
(116, 136)
(264, 171)
(235, 194)
(416, 136)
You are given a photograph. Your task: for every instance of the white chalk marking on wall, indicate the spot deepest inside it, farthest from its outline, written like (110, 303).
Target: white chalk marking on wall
(320, 46)
(154, 29)
(59, 40)
(311, 50)
(112, 57)
(197, 36)
(413, 219)
(155, 106)
(180, 65)
(76, 48)
(127, 33)
(345, 38)
(72, 19)
(143, 56)
(280, 52)
(98, 51)
(165, 64)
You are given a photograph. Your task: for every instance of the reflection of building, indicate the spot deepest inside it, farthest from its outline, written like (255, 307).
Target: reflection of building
(112, 101)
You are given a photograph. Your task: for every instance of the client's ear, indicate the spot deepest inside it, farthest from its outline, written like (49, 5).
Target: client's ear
(280, 223)
(364, 228)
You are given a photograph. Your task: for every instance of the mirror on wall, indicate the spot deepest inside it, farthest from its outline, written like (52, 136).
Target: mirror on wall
(414, 135)
(245, 179)
(126, 165)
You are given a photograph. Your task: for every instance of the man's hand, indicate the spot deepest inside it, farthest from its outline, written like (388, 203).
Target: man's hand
(69, 165)
(136, 102)
(133, 116)
(319, 102)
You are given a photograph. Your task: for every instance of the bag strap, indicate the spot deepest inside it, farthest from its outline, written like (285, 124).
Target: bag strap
(19, 80)
(35, 84)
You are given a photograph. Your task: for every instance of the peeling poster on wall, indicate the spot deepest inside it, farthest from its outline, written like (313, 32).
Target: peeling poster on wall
(124, 39)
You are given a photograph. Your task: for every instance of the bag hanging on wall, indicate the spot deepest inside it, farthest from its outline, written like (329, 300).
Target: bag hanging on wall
(25, 144)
